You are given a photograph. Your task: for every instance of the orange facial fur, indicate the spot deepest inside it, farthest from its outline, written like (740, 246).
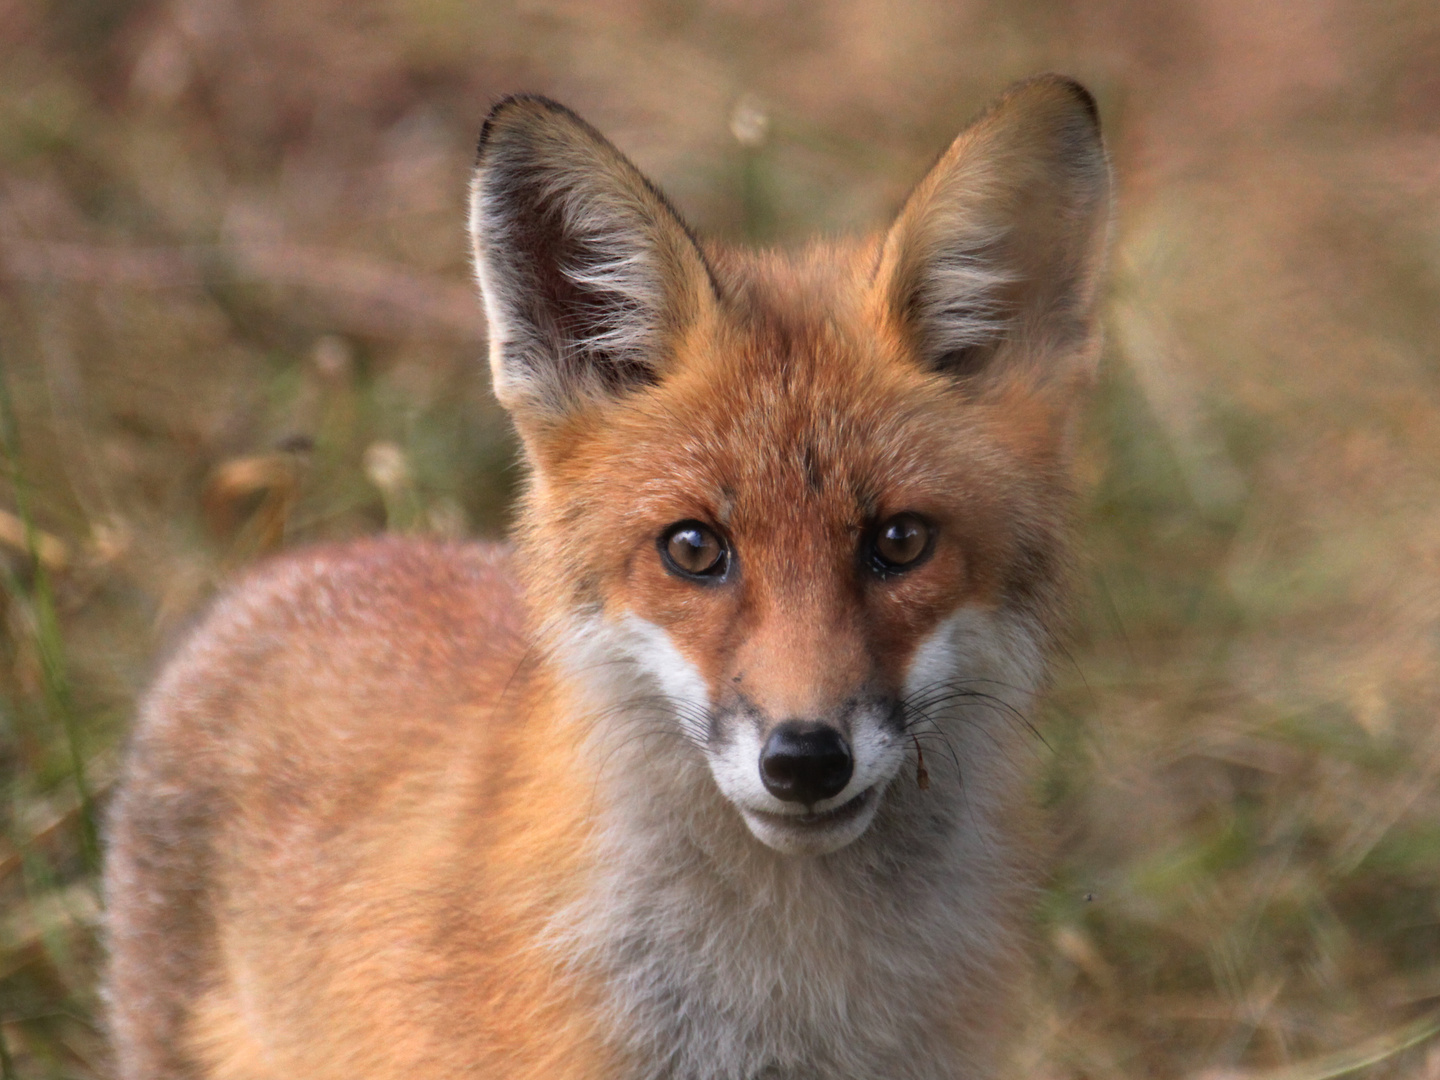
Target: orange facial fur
(408, 809)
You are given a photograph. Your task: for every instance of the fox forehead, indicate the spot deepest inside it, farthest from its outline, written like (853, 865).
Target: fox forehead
(794, 408)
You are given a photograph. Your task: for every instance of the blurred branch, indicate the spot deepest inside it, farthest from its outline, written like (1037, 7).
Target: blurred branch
(363, 295)
(1214, 482)
(52, 552)
(1345, 1062)
(247, 500)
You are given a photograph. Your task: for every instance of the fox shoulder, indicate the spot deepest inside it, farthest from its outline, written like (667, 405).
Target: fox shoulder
(416, 628)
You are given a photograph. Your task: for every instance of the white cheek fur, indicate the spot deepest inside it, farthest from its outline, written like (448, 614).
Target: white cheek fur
(994, 653)
(654, 653)
(623, 662)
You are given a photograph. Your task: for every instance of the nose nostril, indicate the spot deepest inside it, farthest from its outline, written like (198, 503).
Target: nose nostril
(805, 762)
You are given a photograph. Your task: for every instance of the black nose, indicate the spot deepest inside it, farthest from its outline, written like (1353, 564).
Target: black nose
(805, 762)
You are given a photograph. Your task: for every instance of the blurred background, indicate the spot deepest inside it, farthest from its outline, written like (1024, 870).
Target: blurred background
(235, 315)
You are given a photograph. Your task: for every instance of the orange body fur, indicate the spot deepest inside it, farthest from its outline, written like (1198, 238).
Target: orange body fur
(403, 809)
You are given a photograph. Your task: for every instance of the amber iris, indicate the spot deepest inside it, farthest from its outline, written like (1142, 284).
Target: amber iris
(691, 549)
(901, 542)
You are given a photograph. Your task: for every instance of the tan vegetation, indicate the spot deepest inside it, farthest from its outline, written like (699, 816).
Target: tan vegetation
(235, 313)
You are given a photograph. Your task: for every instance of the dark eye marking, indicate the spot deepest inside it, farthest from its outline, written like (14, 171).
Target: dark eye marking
(695, 551)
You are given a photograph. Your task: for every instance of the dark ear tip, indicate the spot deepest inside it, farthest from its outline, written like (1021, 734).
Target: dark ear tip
(1064, 84)
(512, 102)
(1082, 96)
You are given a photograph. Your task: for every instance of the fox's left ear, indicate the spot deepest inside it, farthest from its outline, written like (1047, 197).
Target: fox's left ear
(992, 264)
(586, 272)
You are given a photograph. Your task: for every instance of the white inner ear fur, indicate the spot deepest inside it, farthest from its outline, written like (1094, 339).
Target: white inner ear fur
(955, 288)
(624, 270)
(508, 384)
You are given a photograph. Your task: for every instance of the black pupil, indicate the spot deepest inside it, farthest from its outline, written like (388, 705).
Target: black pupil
(694, 549)
(901, 540)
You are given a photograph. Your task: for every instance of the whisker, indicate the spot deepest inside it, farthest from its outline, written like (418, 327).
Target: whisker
(938, 694)
(936, 732)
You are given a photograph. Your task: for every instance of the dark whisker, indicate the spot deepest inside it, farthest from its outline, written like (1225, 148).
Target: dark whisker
(939, 694)
(935, 731)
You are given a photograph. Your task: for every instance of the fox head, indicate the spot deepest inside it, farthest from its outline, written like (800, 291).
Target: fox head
(815, 503)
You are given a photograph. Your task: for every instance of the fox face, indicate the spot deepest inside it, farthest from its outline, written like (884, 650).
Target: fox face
(801, 512)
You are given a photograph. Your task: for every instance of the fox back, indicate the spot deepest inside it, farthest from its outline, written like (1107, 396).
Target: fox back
(719, 772)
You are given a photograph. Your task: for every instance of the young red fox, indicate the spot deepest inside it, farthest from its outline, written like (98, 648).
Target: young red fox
(644, 798)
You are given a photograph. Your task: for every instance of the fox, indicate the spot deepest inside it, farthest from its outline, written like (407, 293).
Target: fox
(720, 768)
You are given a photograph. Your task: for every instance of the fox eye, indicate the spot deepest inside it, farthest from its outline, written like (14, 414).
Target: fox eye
(692, 550)
(900, 543)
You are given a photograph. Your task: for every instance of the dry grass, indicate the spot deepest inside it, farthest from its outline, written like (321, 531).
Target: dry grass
(234, 313)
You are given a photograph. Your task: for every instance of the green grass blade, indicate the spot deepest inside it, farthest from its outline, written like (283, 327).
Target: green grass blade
(49, 640)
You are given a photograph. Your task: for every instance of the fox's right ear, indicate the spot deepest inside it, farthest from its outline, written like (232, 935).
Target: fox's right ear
(586, 272)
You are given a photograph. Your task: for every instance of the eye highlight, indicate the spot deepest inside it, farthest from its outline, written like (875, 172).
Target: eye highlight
(690, 549)
(901, 543)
